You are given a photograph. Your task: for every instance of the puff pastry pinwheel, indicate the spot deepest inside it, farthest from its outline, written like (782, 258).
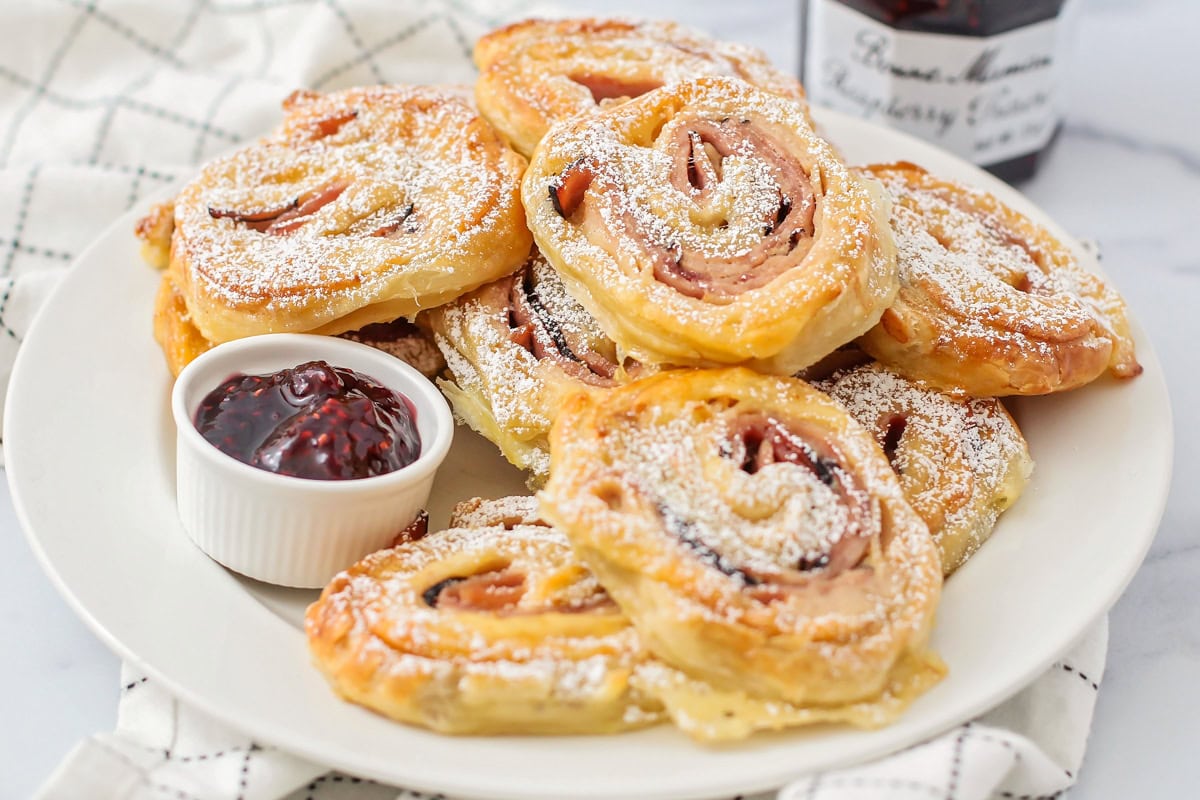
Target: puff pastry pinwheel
(705, 223)
(364, 206)
(538, 72)
(990, 302)
(507, 512)
(700, 710)
(492, 628)
(755, 535)
(516, 347)
(181, 340)
(961, 461)
(407, 341)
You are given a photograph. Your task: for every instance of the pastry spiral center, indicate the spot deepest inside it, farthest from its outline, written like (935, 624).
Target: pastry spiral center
(956, 246)
(509, 590)
(497, 590)
(289, 218)
(758, 441)
(779, 505)
(894, 430)
(741, 211)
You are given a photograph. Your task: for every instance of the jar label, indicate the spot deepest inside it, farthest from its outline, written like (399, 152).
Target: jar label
(985, 98)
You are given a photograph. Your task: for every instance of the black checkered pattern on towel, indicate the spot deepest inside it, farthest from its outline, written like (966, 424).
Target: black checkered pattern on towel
(105, 103)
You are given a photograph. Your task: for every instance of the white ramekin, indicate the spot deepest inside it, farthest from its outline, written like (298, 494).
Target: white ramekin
(297, 531)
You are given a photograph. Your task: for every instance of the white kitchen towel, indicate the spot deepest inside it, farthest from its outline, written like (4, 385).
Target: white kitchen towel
(105, 103)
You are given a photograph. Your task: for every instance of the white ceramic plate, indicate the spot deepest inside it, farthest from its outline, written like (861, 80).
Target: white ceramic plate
(89, 443)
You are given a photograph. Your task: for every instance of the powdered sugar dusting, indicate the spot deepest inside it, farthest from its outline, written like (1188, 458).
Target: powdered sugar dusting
(504, 390)
(961, 462)
(637, 176)
(568, 314)
(724, 508)
(538, 553)
(793, 518)
(539, 72)
(507, 512)
(417, 181)
(502, 376)
(576, 658)
(708, 224)
(984, 281)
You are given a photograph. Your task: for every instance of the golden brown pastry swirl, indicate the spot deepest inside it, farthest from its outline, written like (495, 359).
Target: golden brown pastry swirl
(516, 348)
(487, 627)
(705, 223)
(365, 205)
(538, 72)
(961, 461)
(753, 532)
(990, 302)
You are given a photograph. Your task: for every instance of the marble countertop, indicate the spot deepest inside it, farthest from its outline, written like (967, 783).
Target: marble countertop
(1125, 171)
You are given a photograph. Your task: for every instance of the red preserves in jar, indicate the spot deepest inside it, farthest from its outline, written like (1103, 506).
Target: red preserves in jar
(312, 421)
(976, 77)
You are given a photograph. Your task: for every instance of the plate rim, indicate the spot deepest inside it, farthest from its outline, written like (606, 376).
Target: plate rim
(464, 786)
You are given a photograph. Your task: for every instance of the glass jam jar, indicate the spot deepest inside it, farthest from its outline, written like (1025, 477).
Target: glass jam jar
(975, 77)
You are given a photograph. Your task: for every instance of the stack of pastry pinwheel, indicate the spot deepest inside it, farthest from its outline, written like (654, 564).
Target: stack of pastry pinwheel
(755, 386)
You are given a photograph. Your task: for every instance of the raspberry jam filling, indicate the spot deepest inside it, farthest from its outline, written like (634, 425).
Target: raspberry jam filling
(312, 421)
